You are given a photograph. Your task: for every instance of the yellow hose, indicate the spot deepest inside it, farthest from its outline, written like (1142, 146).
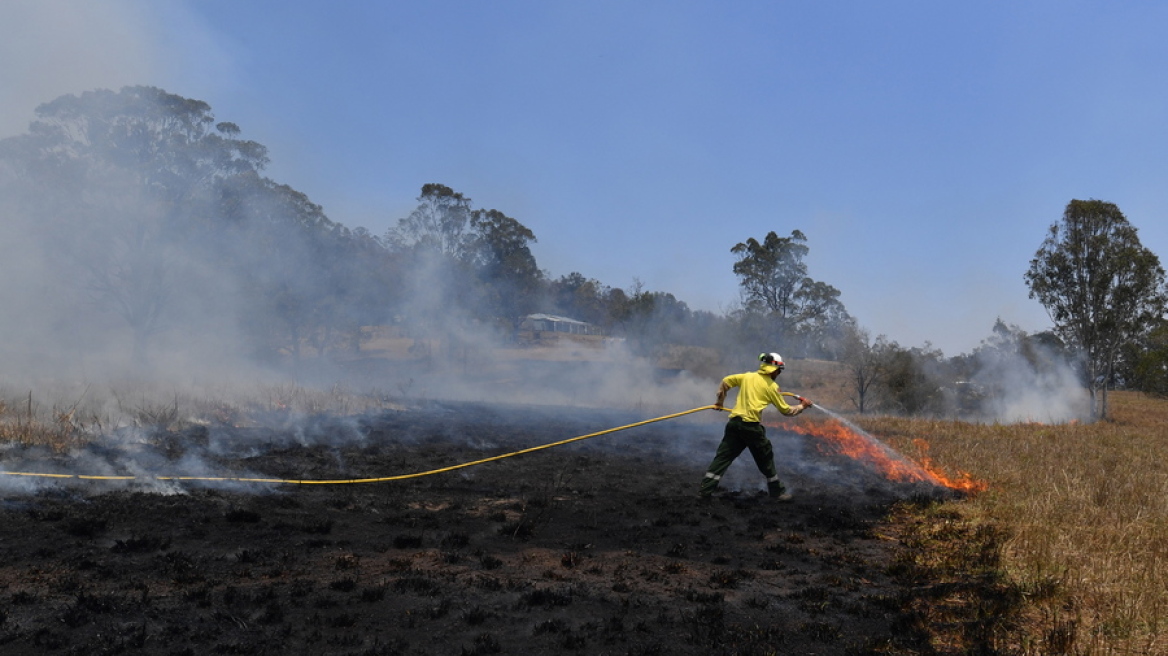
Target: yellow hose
(380, 479)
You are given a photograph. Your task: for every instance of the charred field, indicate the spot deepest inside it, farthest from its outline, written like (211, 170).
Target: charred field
(598, 547)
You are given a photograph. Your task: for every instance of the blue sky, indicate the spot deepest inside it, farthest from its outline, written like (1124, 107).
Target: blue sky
(924, 148)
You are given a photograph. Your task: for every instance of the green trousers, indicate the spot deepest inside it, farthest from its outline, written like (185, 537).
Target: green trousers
(739, 436)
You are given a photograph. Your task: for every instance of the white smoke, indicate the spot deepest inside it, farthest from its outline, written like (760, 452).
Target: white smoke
(1021, 380)
(54, 47)
(72, 356)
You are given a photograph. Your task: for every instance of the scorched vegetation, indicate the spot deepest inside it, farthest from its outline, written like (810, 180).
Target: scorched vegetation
(599, 547)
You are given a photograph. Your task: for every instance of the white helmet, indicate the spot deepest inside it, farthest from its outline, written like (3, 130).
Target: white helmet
(771, 358)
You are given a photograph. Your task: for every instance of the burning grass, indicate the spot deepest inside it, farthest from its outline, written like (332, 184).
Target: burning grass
(1084, 512)
(837, 436)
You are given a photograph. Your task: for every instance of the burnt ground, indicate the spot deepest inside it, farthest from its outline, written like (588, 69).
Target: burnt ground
(596, 547)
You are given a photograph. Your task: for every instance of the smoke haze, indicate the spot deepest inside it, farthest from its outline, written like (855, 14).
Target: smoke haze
(148, 285)
(63, 46)
(136, 300)
(1046, 390)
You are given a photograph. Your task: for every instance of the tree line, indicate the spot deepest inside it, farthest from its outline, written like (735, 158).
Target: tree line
(139, 205)
(158, 214)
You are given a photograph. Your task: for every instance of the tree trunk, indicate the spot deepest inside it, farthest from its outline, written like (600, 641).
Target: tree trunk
(1106, 382)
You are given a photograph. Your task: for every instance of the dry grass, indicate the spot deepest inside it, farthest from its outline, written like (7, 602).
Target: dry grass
(61, 420)
(25, 424)
(1084, 509)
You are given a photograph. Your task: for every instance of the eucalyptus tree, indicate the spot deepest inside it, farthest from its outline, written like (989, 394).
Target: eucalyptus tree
(585, 299)
(441, 224)
(465, 266)
(1100, 286)
(158, 212)
(775, 284)
(304, 278)
(121, 180)
(504, 264)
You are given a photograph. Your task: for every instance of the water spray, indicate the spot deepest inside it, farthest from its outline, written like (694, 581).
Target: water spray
(855, 442)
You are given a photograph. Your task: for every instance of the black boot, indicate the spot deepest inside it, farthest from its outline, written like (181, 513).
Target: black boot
(778, 492)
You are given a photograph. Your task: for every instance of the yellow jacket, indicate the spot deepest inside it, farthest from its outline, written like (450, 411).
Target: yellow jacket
(756, 390)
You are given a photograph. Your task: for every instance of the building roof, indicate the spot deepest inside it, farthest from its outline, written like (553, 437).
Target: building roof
(552, 317)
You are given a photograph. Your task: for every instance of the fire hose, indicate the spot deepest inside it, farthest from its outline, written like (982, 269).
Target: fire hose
(380, 479)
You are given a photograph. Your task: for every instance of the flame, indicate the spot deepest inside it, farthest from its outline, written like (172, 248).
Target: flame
(833, 437)
(963, 481)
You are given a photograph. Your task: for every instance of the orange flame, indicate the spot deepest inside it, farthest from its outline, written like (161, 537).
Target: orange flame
(835, 438)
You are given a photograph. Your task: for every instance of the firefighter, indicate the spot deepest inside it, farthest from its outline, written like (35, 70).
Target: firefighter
(744, 430)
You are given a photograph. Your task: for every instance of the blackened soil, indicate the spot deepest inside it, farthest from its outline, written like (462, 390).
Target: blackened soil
(597, 547)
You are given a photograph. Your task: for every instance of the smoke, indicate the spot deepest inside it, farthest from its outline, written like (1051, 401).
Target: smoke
(56, 47)
(53, 47)
(65, 257)
(155, 326)
(1021, 379)
(87, 286)
(119, 300)
(101, 292)
(138, 276)
(1011, 377)
(1047, 391)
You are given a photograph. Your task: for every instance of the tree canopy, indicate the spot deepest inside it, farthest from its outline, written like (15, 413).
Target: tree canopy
(775, 285)
(1099, 285)
(159, 214)
(440, 224)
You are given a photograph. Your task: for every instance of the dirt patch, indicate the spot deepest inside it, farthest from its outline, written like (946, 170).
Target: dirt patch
(598, 547)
